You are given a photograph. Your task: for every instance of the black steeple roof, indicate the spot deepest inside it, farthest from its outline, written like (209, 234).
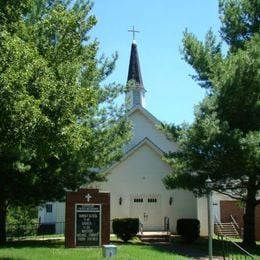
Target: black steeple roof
(134, 71)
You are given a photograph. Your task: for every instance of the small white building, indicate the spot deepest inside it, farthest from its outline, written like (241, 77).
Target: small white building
(135, 181)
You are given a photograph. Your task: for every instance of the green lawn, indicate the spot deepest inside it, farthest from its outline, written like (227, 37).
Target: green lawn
(201, 245)
(54, 250)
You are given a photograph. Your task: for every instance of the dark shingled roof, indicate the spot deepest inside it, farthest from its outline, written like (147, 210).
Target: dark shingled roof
(134, 71)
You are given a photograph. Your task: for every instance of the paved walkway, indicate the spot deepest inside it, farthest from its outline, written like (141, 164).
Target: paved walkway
(182, 249)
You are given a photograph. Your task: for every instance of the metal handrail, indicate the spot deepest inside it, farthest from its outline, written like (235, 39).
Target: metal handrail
(218, 221)
(234, 221)
(239, 247)
(141, 227)
(167, 225)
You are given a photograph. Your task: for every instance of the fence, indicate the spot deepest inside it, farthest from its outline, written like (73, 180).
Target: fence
(231, 248)
(23, 231)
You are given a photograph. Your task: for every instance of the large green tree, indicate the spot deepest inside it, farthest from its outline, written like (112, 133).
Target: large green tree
(59, 121)
(224, 140)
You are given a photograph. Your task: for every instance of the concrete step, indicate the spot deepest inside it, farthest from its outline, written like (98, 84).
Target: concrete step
(154, 237)
(226, 229)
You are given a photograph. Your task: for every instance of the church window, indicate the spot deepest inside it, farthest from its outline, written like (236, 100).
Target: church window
(152, 200)
(138, 200)
(49, 208)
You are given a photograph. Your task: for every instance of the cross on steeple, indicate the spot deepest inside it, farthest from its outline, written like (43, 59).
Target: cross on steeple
(133, 31)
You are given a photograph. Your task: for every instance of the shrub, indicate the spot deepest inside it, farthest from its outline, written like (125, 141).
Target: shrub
(21, 221)
(126, 228)
(188, 229)
(46, 229)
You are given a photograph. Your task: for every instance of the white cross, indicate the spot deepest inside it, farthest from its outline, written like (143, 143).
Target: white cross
(133, 31)
(88, 197)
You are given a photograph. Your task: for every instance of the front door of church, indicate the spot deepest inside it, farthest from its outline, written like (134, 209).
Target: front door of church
(148, 209)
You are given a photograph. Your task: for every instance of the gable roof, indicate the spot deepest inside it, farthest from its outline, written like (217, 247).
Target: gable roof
(145, 141)
(146, 113)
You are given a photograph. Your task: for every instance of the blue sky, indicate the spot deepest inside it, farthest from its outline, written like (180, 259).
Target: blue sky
(171, 93)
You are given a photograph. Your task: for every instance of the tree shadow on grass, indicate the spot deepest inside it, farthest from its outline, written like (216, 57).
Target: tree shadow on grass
(130, 242)
(182, 249)
(10, 258)
(199, 248)
(177, 247)
(50, 243)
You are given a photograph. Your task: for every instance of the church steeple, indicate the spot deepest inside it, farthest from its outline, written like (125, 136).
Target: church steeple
(135, 94)
(134, 71)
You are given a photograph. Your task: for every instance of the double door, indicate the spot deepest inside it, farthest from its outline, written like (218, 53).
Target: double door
(148, 209)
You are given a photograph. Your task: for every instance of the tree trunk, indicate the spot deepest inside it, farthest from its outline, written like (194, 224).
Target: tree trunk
(249, 220)
(3, 211)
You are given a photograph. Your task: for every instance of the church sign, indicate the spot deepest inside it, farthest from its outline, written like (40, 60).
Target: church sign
(87, 218)
(88, 224)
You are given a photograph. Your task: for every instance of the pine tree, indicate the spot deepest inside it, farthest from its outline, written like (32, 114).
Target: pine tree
(224, 140)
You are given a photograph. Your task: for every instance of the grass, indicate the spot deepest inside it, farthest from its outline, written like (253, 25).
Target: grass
(51, 249)
(202, 245)
(54, 250)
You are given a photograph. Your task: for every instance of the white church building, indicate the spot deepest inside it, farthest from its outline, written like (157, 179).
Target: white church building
(135, 181)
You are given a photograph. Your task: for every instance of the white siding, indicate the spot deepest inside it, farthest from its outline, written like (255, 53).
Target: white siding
(144, 127)
(47, 217)
(142, 173)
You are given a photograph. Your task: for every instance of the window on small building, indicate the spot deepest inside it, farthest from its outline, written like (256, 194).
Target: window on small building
(49, 208)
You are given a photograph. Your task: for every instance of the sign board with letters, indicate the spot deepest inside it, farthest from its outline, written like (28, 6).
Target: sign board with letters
(88, 224)
(87, 218)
